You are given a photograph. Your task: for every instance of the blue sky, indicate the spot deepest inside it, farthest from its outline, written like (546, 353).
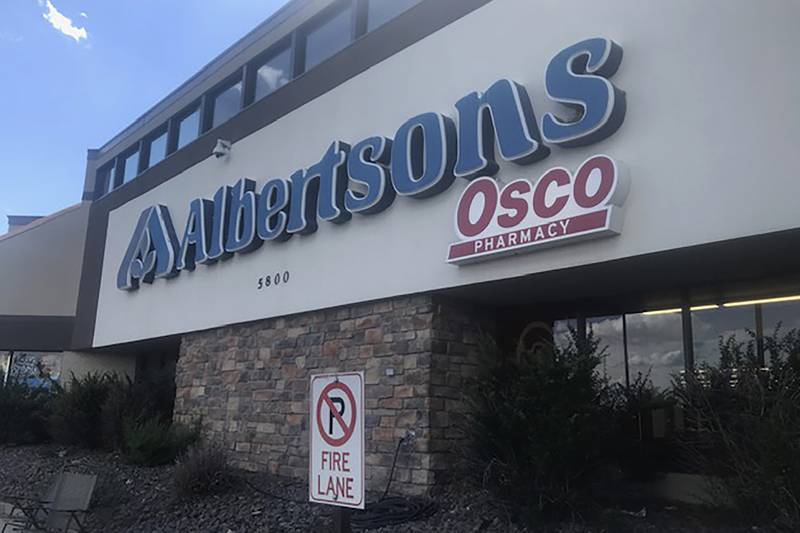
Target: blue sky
(76, 72)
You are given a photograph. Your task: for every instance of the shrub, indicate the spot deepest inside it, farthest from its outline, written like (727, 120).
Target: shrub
(156, 442)
(745, 429)
(131, 403)
(202, 470)
(24, 412)
(77, 411)
(639, 455)
(538, 426)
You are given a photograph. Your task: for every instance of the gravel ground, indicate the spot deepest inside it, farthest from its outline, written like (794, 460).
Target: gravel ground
(135, 499)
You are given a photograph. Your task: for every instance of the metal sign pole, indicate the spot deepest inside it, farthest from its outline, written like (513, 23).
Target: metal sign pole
(341, 520)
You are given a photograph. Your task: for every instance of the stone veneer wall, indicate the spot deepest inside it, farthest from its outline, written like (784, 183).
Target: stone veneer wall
(249, 383)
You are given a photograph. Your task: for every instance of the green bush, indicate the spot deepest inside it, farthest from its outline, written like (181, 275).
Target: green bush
(538, 426)
(202, 470)
(24, 412)
(745, 429)
(156, 442)
(639, 455)
(131, 403)
(77, 411)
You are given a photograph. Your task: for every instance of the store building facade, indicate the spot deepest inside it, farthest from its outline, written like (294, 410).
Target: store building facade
(374, 185)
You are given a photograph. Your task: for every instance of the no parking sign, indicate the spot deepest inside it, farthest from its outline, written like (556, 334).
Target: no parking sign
(336, 464)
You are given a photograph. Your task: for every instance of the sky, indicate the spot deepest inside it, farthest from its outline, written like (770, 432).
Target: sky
(74, 73)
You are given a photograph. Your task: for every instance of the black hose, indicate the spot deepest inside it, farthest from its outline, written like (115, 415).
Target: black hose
(387, 511)
(391, 472)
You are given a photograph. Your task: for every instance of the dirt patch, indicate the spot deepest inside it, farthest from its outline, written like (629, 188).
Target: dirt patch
(129, 498)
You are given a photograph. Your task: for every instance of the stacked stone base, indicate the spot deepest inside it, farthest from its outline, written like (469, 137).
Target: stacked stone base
(249, 385)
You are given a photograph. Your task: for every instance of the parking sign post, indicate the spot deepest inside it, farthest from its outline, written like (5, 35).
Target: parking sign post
(336, 451)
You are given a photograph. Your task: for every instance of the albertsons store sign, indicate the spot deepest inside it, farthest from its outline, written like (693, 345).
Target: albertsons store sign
(428, 152)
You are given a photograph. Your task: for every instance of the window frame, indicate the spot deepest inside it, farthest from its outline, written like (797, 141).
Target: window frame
(253, 66)
(105, 178)
(316, 22)
(121, 178)
(295, 42)
(146, 149)
(175, 125)
(212, 95)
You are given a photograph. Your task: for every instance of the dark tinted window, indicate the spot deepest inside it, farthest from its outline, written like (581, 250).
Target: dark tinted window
(227, 104)
(722, 323)
(158, 149)
(274, 74)
(783, 314)
(382, 11)
(327, 38)
(189, 129)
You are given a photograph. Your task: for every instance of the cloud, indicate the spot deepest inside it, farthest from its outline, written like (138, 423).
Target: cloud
(62, 23)
(84, 15)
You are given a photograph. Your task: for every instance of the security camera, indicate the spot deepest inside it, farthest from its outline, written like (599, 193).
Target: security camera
(222, 148)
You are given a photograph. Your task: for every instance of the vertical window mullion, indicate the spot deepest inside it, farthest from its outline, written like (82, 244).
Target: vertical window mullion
(144, 156)
(248, 85)
(173, 126)
(206, 114)
(298, 53)
(760, 335)
(688, 339)
(625, 350)
(359, 18)
(119, 170)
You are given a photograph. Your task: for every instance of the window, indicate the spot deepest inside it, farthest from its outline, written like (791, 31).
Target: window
(130, 167)
(608, 330)
(189, 128)
(711, 325)
(227, 104)
(274, 74)
(158, 149)
(5, 360)
(327, 38)
(380, 12)
(105, 180)
(562, 332)
(655, 346)
(785, 314)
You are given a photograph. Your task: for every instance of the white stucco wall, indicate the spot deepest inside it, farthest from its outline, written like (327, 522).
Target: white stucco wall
(709, 141)
(40, 265)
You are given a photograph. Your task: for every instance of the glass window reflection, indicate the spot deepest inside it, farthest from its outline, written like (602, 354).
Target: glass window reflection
(709, 325)
(189, 128)
(655, 346)
(158, 149)
(130, 167)
(561, 332)
(227, 104)
(608, 331)
(274, 74)
(328, 38)
(783, 314)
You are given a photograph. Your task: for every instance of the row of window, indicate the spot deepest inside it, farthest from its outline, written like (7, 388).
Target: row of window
(652, 342)
(317, 40)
